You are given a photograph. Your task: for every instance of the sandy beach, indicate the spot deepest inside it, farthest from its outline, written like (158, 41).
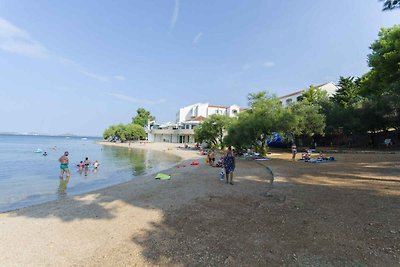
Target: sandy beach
(171, 148)
(342, 213)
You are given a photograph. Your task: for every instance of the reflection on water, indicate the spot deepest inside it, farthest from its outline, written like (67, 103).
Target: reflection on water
(138, 160)
(62, 187)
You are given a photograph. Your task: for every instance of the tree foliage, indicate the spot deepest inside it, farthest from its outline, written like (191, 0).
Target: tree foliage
(390, 4)
(384, 77)
(348, 94)
(314, 96)
(212, 129)
(253, 127)
(124, 133)
(381, 85)
(308, 120)
(143, 117)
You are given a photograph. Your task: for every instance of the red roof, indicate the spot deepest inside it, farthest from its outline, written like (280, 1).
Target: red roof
(198, 118)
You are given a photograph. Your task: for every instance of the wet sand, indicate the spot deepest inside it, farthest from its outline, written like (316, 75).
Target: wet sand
(327, 214)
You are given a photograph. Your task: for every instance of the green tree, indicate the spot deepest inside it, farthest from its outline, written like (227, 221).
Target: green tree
(142, 117)
(314, 96)
(110, 132)
(348, 94)
(253, 127)
(124, 132)
(238, 134)
(308, 120)
(212, 129)
(385, 63)
(390, 4)
(381, 85)
(120, 132)
(134, 132)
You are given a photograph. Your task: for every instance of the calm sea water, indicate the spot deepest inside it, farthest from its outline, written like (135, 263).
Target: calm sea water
(28, 178)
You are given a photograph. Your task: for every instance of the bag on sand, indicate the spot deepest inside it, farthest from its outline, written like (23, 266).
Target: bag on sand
(221, 174)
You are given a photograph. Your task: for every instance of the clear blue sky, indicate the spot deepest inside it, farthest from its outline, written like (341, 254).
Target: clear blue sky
(80, 66)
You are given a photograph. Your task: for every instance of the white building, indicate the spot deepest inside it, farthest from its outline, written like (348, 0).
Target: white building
(329, 87)
(187, 118)
(205, 110)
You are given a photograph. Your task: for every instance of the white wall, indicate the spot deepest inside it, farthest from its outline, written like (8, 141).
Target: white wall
(293, 97)
(215, 110)
(231, 109)
(189, 112)
(330, 88)
(203, 109)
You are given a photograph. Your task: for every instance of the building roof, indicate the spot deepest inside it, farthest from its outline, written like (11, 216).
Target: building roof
(299, 92)
(198, 118)
(211, 106)
(292, 94)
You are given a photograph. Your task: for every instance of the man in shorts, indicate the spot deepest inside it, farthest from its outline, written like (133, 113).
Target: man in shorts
(64, 165)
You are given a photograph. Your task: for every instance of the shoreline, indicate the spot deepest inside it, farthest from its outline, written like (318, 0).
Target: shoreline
(169, 148)
(81, 229)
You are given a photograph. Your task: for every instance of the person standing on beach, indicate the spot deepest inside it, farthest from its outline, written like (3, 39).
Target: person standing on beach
(294, 151)
(64, 165)
(229, 164)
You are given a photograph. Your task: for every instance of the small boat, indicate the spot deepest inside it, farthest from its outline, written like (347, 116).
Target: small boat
(84, 138)
(38, 150)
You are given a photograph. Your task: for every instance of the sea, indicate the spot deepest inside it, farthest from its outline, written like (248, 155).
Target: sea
(28, 178)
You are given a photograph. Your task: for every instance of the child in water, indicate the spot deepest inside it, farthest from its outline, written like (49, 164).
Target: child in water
(80, 165)
(96, 164)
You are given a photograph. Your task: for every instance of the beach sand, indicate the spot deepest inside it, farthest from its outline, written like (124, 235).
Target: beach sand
(340, 213)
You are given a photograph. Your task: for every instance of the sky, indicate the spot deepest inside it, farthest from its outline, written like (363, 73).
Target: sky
(80, 66)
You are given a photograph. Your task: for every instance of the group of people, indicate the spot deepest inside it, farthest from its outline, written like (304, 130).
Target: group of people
(307, 154)
(82, 165)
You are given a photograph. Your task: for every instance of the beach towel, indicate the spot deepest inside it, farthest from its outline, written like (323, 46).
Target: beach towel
(194, 163)
(320, 160)
(163, 176)
(263, 159)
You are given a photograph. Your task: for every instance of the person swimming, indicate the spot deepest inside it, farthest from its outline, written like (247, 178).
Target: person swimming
(45, 153)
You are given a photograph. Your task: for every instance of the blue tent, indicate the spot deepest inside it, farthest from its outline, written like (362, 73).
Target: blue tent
(275, 140)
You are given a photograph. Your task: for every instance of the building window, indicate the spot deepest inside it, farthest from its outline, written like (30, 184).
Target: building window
(300, 98)
(288, 101)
